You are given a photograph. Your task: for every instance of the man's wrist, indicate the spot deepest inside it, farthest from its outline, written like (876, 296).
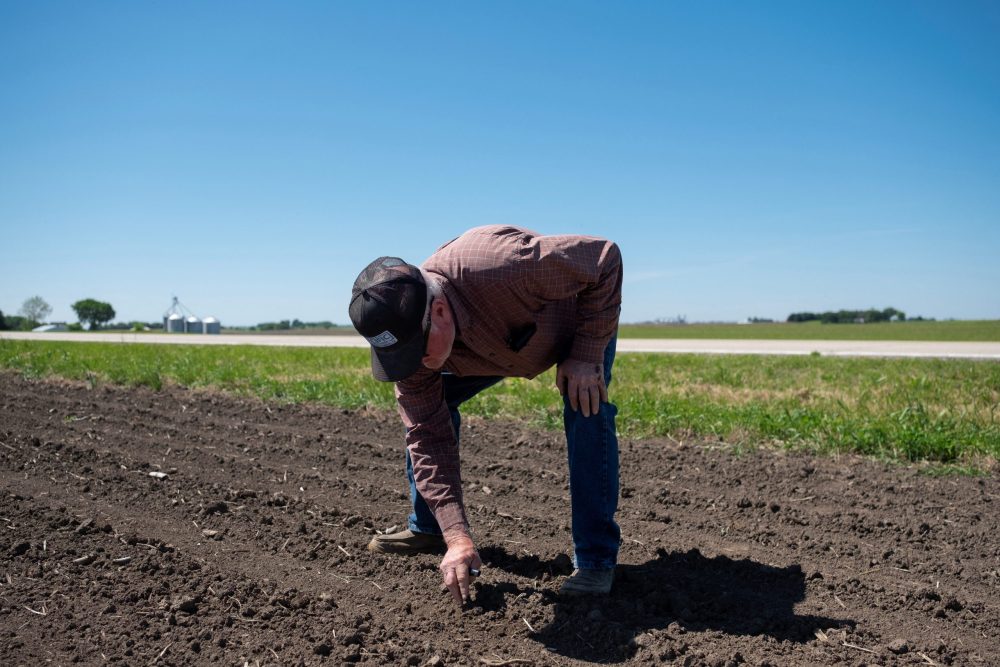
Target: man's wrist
(589, 350)
(457, 533)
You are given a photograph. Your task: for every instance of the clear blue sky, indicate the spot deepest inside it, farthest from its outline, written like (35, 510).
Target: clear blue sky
(751, 159)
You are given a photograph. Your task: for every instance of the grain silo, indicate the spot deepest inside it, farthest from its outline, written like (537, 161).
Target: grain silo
(180, 319)
(174, 323)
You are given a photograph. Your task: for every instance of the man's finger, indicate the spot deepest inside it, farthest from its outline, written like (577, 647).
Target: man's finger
(457, 581)
(451, 581)
(561, 381)
(462, 573)
(585, 401)
(571, 390)
(595, 400)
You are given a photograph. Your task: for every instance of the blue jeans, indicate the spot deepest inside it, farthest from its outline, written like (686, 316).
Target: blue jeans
(592, 448)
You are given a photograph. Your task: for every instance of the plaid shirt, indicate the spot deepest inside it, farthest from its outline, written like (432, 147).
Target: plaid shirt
(521, 303)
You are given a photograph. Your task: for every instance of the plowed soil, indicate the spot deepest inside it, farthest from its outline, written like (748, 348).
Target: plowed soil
(187, 527)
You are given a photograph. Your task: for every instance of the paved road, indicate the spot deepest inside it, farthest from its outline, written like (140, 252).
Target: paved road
(842, 348)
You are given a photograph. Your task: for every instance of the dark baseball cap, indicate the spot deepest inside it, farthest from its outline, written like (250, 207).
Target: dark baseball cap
(387, 308)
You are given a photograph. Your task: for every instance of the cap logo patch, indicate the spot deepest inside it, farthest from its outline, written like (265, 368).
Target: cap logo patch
(384, 339)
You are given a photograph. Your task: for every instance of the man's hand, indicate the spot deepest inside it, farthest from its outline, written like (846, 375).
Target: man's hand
(460, 559)
(583, 383)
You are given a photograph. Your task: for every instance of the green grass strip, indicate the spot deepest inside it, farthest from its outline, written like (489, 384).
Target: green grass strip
(982, 331)
(944, 411)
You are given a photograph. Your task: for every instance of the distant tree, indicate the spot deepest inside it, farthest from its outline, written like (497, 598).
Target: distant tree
(850, 316)
(35, 309)
(282, 325)
(3, 322)
(19, 323)
(94, 312)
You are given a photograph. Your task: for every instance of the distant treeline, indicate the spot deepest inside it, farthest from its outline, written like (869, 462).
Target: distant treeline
(850, 316)
(16, 323)
(291, 324)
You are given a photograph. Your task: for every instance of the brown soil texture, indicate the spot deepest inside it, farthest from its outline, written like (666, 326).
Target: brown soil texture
(251, 549)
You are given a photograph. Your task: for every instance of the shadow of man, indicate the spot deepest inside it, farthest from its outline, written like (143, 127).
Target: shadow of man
(735, 597)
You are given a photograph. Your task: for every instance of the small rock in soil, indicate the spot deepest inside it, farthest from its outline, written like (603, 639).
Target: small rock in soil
(322, 649)
(219, 507)
(187, 605)
(898, 646)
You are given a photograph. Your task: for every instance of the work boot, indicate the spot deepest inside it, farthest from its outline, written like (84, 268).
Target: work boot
(588, 582)
(406, 542)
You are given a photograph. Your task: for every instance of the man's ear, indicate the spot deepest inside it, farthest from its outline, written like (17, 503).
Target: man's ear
(441, 309)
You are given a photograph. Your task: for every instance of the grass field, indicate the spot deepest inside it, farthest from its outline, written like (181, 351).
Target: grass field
(958, 330)
(934, 410)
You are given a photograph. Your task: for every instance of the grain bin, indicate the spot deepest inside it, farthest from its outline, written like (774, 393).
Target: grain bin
(212, 325)
(193, 325)
(174, 323)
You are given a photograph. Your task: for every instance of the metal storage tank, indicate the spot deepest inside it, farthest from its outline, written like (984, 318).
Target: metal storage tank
(175, 323)
(212, 325)
(192, 325)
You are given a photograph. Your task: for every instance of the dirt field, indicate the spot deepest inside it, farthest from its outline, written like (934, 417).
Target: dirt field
(251, 549)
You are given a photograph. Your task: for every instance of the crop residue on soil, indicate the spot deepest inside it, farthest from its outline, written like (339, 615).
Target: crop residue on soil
(183, 527)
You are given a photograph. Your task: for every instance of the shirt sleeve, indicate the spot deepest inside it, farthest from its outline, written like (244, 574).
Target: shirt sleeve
(433, 447)
(585, 267)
